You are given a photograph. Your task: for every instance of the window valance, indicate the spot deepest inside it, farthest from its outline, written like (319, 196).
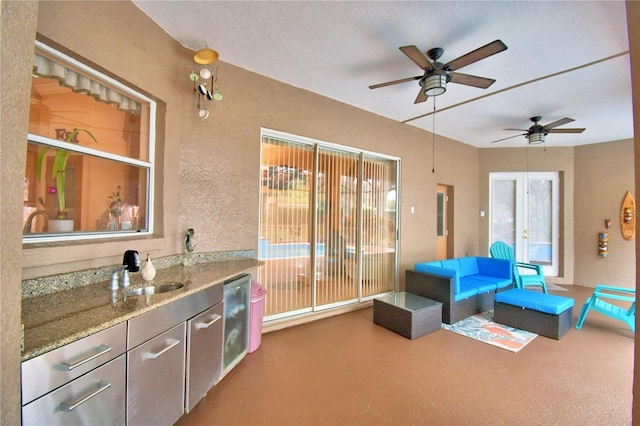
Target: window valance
(77, 82)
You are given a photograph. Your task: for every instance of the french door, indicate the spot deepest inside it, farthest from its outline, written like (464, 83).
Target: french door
(524, 213)
(328, 225)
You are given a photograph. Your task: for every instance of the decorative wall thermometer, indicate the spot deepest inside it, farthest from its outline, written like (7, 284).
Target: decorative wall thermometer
(628, 217)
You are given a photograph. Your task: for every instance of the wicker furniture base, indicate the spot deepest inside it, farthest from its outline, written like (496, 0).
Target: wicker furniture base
(548, 325)
(407, 314)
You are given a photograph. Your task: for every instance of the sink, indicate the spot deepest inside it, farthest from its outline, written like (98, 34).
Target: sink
(154, 289)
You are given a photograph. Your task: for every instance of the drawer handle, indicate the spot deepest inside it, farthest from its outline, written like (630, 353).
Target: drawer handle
(214, 318)
(84, 358)
(70, 406)
(172, 343)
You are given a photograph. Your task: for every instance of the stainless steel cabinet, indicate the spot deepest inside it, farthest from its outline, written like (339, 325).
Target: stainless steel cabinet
(96, 398)
(155, 379)
(204, 354)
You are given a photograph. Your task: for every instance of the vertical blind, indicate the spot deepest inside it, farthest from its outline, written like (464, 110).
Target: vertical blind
(327, 226)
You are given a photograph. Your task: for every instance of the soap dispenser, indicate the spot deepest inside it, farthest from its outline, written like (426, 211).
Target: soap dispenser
(148, 271)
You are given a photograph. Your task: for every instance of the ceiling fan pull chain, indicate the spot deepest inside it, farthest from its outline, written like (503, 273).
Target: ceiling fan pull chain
(433, 145)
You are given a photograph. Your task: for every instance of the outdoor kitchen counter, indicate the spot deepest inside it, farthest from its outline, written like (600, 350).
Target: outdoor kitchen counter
(54, 320)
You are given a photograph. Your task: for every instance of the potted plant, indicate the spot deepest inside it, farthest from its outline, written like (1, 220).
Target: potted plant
(58, 174)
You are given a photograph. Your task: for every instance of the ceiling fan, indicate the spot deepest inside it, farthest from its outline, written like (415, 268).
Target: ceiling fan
(537, 132)
(436, 74)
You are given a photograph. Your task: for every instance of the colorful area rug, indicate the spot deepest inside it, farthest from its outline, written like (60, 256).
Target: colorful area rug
(482, 328)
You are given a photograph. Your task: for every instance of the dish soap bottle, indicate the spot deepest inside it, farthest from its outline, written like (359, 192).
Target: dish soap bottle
(148, 272)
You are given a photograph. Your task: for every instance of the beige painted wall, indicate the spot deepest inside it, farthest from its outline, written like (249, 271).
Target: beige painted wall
(605, 173)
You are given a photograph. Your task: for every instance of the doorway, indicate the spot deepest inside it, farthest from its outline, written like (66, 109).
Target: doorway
(524, 213)
(444, 222)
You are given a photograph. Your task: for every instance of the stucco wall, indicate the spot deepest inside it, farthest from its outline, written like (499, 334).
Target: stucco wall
(604, 173)
(16, 50)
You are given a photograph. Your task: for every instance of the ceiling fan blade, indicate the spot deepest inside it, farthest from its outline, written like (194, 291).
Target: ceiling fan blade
(471, 80)
(576, 130)
(476, 55)
(510, 137)
(417, 56)
(389, 83)
(519, 130)
(421, 96)
(558, 123)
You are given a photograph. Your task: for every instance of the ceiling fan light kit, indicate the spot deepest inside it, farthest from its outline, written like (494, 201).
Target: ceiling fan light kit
(536, 138)
(435, 85)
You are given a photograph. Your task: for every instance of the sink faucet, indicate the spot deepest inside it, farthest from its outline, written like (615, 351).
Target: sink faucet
(27, 225)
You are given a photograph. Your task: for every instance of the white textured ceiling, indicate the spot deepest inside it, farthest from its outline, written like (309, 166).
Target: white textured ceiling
(339, 48)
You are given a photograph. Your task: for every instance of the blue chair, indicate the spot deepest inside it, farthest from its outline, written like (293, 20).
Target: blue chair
(597, 303)
(501, 250)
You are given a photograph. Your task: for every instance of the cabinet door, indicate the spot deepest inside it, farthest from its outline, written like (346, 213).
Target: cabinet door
(155, 379)
(204, 354)
(237, 299)
(97, 398)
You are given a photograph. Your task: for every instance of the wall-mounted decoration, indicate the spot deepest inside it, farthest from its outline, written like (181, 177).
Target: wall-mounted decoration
(603, 244)
(628, 217)
(607, 223)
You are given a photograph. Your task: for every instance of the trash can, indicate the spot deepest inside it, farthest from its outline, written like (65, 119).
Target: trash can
(255, 316)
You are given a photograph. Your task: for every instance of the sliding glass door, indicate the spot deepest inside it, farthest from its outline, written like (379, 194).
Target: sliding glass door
(327, 225)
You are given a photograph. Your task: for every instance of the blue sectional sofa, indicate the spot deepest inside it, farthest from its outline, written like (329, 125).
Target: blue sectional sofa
(465, 285)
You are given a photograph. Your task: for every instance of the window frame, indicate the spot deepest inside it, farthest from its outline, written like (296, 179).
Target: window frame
(148, 166)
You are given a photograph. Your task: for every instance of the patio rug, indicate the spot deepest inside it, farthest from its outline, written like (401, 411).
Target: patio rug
(482, 328)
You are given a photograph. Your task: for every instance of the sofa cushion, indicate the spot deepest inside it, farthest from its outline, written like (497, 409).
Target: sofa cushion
(496, 281)
(479, 282)
(451, 264)
(547, 303)
(495, 267)
(468, 266)
(467, 289)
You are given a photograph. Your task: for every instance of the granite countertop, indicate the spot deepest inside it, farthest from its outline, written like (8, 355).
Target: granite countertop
(54, 320)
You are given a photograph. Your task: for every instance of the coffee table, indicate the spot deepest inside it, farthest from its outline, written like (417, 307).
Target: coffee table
(407, 314)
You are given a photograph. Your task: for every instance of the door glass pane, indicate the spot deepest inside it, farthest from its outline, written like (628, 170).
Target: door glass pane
(440, 214)
(378, 226)
(540, 221)
(503, 211)
(337, 226)
(285, 225)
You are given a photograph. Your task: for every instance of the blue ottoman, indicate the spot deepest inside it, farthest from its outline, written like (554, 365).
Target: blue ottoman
(544, 314)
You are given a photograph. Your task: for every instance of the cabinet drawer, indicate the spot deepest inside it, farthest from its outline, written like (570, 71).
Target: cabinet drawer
(49, 371)
(97, 398)
(149, 325)
(155, 379)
